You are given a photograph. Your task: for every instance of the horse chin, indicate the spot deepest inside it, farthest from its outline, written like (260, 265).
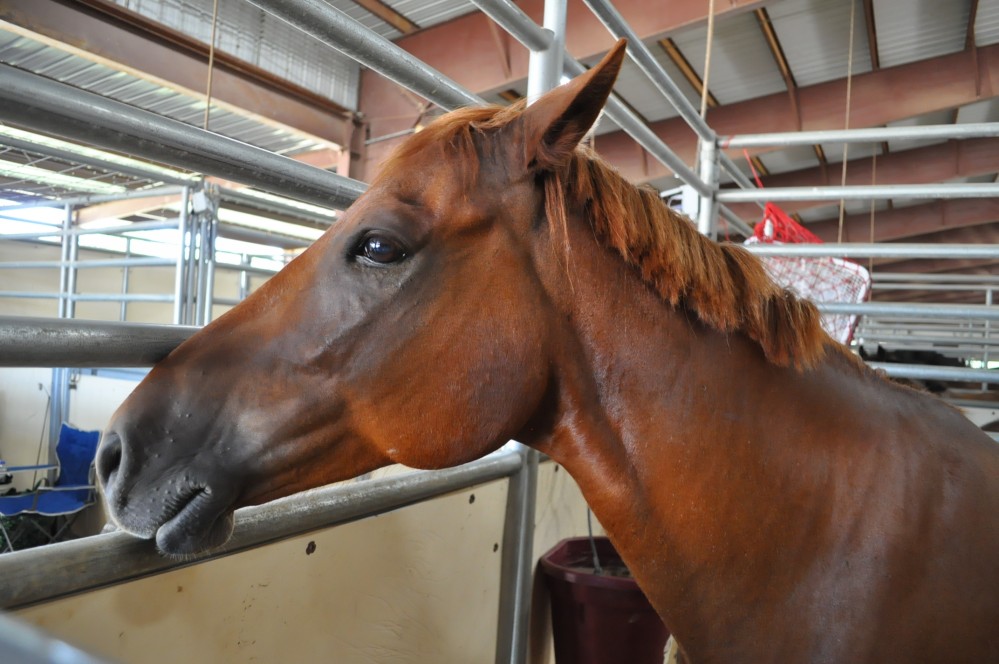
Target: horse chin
(194, 529)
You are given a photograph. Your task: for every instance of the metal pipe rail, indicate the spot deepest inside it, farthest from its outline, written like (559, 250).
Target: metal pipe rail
(102, 263)
(625, 118)
(336, 29)
(53, 342)
(93, 199)
(90, 157)
(642, 57)
(868, 250)
(870, 135)
(929, 372)
(42, 104)
(521, 27)
(938, 278)
(59, 570)
(861, 192)
(76, 230)
(620, 29)
(944, 311)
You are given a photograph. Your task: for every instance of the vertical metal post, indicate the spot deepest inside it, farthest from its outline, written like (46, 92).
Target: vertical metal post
(517, 567)
(244, 278)
(191, 268)
(987, 333)
(59, 388)
(67, 229)
(208, 256)
(707, 213)
(544, 68)
(198, 300)
(123, 312)
(178, 285)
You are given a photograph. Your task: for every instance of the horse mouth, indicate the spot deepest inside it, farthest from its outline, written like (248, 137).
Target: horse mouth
(200, 522)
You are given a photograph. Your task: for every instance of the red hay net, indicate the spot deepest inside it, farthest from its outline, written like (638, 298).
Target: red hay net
(818, 279)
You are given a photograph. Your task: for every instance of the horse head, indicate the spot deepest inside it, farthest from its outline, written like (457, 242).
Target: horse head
(415, 331)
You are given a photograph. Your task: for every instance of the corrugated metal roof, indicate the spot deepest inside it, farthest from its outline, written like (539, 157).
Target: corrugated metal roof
(741, 64)
(790, 159)
(426, 13)
(815, 37)
(910, 30)
(987, 22)
(246, 32)
(937, 118)
(365, 18)
(75, 70)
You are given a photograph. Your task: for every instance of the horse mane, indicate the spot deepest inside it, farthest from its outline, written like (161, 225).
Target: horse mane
(724, 285)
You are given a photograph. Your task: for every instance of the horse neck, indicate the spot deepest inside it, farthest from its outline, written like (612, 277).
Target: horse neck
(652, 416)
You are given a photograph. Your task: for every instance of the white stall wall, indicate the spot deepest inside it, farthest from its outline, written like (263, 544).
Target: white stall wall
(24, 392)
(418, 585)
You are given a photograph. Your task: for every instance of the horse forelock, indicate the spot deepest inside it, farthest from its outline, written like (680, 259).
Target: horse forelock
(723, 284)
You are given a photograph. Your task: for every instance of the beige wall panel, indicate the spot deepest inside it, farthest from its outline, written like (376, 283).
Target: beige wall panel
(418, 585)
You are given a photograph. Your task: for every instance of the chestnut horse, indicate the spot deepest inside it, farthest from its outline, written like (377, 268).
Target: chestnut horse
(776, 500)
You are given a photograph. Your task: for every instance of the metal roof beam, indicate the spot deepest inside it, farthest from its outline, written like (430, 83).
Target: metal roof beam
(916, 88)
(934, 163)
(910, 222)
(159, 53)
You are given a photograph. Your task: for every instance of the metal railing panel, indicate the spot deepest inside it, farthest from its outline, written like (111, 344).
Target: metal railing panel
(59, 570)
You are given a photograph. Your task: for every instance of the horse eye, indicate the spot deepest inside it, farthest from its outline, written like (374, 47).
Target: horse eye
(380, 249)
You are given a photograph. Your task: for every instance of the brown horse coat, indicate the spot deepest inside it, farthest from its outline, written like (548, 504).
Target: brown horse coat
(776, 500)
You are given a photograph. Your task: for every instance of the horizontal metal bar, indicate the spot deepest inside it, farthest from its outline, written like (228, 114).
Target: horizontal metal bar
(114, 262)
(88, 297)
(59, 570)
(113, 230)
(875, 250)
(254, 236)
(937, 278)
(948, 311)
(275, 206)
(93, 199)
(929, 372)
(939, 342)
(861, 192)
(973, 403)
(915, 324)
(334, 28)
(920, 286)
(128, 167)
(42, 104)
(641, 56)
(512, 18)
(871, 135)
(53, 342)
(638, 130)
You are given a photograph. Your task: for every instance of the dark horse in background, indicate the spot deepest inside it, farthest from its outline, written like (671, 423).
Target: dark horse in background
(776, 500)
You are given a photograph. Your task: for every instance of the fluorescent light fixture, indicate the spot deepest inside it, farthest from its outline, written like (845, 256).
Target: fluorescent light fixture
(84, 152)
(51, 178)
(268, 225)
(289, 202)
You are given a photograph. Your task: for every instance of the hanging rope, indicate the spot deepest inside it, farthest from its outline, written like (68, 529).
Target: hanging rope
(849, 87)
(211, 62)
(707, 59)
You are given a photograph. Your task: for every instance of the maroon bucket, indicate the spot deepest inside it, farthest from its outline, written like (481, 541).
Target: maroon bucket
(599, 618)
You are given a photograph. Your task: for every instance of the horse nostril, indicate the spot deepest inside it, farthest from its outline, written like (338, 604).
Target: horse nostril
(108, 458)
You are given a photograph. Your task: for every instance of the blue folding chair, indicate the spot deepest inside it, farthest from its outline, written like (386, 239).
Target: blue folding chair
(72, 491)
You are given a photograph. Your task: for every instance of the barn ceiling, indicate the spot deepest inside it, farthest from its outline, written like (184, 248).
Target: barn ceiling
(776, 65)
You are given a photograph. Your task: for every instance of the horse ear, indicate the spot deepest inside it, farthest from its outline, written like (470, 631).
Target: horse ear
(555, 124)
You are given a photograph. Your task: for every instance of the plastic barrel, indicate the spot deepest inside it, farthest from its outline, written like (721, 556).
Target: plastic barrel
(599, 618)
